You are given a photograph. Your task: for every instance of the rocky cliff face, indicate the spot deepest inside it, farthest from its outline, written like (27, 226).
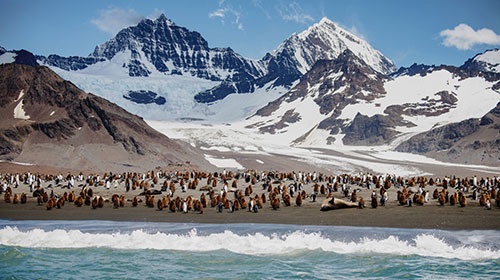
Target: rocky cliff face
(47, 120)
(72, 63)
(475, 140)
(162, 46)
(17, 56)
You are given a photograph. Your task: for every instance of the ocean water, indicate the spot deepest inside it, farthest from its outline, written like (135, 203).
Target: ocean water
(140, 250)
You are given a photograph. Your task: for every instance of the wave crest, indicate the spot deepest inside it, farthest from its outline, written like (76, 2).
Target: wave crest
(258, 243)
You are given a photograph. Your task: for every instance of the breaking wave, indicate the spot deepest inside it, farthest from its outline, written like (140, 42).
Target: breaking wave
(464, 245)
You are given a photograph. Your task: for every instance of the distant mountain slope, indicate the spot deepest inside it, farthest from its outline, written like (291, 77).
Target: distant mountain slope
(20, 57)
(297, 54)
(326, 89)
(159, 50)
(162, 46)
(49, 121)
(488, 61)
(475, 140)
(323, 40)
(345, 102)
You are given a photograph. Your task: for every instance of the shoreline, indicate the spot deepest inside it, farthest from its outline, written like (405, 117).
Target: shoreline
(428, 216)
(390, 216)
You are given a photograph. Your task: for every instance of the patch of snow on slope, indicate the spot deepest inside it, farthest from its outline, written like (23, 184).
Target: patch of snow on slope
(16, 162)
(19, 112)
(308, 112)
(224, 162)
(215, 148)
(7, 57)
(492, 58)
(317, 138)
(21, 95)
(414, 89)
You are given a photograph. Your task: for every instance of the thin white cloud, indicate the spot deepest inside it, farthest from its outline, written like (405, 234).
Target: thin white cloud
(238, 22)
(220, 13)
(224, 12)
(113, 20)
(294, 12)
(464, 37)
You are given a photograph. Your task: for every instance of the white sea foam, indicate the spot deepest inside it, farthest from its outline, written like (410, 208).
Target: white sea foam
(424, 244)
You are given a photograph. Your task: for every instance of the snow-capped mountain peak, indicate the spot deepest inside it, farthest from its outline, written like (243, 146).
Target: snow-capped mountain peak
(161, 46)
(489, 61)
(167, 21)
(327, 40)
(327, 26)
(170, 48)
(324, 40)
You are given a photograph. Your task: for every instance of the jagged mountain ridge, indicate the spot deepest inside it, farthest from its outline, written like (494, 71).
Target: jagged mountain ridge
(48, 121)
(485, 62)
(161, 46)
(17, 56)
(169, 48)
(324, 40)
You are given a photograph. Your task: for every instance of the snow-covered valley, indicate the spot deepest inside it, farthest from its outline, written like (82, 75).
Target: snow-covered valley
(232, 146)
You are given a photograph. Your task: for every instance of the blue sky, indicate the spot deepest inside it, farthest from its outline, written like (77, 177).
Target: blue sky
(428, 31)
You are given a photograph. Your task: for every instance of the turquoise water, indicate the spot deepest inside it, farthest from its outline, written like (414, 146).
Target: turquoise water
(137, 250)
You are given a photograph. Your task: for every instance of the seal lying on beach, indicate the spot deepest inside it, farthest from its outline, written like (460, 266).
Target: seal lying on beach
(337, 203)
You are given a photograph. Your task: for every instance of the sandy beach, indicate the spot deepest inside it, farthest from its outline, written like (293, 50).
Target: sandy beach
(429, 216)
